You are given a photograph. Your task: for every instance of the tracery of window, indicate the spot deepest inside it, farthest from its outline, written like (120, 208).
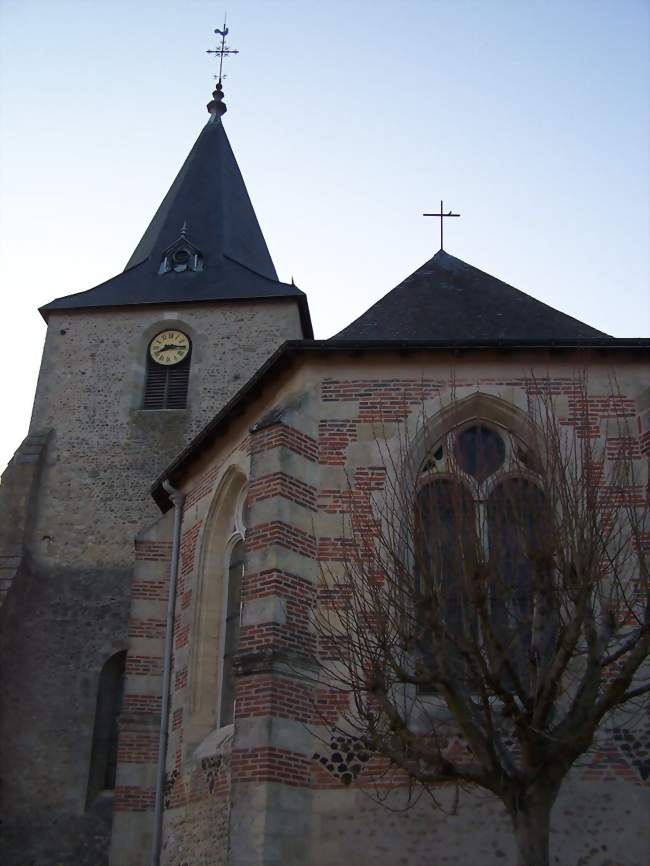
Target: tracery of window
(477, 502)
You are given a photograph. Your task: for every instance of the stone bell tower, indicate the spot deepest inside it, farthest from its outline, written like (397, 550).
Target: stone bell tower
(131, 370)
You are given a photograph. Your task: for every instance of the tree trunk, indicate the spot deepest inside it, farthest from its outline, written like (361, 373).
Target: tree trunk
(531, 819)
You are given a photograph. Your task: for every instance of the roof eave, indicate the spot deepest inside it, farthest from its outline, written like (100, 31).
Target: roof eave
(283, 357)
(301, 300)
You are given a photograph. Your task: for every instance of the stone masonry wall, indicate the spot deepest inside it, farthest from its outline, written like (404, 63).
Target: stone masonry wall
(67, 612)
(18, 492)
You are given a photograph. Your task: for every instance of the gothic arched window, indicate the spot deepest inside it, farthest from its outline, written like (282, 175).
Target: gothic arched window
(103, 759)
(445, 521)
(167, 374)
(218, 609)
(514, 520)
(477, 536)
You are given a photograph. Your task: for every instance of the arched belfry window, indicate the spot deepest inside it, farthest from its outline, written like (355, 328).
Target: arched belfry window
(478, 511)
(167, 377)
(103, 759)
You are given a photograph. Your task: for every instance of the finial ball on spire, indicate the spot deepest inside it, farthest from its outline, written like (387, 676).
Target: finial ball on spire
(216, 106)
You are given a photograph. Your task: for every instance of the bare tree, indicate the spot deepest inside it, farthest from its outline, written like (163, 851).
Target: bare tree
(497, 590)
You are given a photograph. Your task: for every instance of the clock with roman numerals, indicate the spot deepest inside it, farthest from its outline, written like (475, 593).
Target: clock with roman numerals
(169, 347)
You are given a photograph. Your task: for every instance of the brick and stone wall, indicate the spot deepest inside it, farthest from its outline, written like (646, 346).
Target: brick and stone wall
(276, 784)
(594, 818)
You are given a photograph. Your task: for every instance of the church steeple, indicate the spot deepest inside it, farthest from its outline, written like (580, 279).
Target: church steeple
(204, 242)
(209, 195)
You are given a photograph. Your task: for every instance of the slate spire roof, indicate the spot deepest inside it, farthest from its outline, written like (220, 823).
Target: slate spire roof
(208, 213)
(447, 299)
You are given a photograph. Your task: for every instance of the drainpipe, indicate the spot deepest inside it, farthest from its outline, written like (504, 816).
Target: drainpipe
(177, 498)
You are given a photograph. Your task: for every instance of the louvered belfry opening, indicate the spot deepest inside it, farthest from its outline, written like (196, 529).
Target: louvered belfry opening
(166, 386)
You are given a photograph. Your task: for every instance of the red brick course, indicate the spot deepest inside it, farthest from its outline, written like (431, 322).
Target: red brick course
(269, 764)
(623, 448)
(276, 582)
(143, 665)
(644, 443)
(281, 435)
(278, 532)
(180, 679)
(203, 486)
(181, 634)
(381, 399)
(151, 628)
(153, 551)
(333, 440)
(133, 799)
(138, 747)
(134, 703)
(188, 552)
(273, 695)
(286, 486)
(149, 590)
(298, 596)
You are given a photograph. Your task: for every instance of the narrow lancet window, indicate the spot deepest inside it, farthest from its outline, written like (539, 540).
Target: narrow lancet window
(446, 541)
(103, 760)
(231, 634)
(515, 512)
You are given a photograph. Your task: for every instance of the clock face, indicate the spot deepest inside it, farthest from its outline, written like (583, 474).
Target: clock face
(169, 347)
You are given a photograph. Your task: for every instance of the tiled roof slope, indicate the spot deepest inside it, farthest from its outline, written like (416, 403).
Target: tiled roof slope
(210, 199)
(447, 299)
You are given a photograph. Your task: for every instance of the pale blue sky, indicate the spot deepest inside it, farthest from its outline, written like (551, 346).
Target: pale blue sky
(348, 119)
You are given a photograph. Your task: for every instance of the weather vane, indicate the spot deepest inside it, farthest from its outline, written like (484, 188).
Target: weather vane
(222, 50)
(442, 217)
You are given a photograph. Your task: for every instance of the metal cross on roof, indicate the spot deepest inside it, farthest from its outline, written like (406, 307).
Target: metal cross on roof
(442, 216)
(222, 50)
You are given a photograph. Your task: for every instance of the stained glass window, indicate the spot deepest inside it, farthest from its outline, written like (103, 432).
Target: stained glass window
(479, 451)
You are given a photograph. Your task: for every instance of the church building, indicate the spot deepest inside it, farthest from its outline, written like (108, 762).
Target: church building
(168, 524)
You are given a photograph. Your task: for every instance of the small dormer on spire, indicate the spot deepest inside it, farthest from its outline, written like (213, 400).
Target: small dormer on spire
(181, 256)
